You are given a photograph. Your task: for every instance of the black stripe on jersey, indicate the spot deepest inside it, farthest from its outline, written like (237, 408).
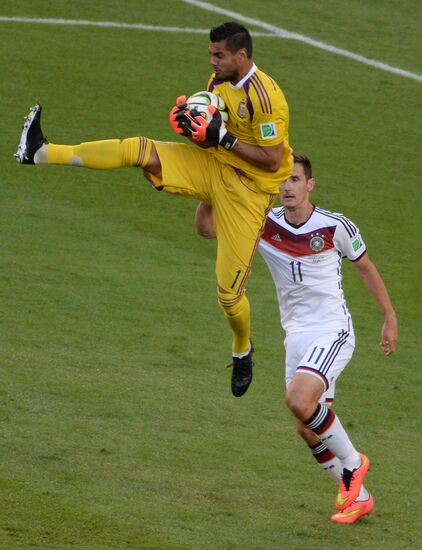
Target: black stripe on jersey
(348, 225)
(249, 104)
(273, 83)
(333, 352)
(215, 82)
(255, 80)
(261, 96)
(279, 213)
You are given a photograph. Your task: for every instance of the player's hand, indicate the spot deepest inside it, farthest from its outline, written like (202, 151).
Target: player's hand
(388, 341)
(212, 131)
(178, 118)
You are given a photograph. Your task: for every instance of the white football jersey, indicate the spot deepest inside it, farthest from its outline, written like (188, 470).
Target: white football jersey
(305, 262)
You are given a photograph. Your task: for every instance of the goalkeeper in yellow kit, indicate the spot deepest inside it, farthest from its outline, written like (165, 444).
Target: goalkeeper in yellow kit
(237, 169)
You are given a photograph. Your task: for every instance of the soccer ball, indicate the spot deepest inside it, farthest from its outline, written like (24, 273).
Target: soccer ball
(202, 100)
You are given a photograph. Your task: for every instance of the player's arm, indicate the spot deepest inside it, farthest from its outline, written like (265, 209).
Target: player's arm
(267, 158)
(374, 283)
(214, 132)
(268, 128)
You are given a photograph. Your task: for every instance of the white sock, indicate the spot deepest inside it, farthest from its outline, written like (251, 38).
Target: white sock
(333, 468)
(327, 460)
(40, 156)
(332, 465)
(363, 495)
(329, 429)
(244, 354)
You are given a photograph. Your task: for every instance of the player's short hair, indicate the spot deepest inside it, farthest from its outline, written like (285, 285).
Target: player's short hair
(235, 35)
(305, 162)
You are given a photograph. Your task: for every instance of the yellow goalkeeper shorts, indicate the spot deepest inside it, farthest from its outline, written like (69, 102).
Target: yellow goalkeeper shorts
(240, 208)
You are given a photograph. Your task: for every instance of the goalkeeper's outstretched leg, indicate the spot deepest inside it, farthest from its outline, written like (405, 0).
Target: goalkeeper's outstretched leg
(100, 155)
(189, 171)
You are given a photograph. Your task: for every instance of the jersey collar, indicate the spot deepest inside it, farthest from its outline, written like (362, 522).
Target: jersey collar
(244, 79)
(299, 225)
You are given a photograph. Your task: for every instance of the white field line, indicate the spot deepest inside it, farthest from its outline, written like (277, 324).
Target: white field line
(272, 31)
(283, 33)
(113, 24)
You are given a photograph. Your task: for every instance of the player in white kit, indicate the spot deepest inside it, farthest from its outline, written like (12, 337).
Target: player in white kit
(303, 246)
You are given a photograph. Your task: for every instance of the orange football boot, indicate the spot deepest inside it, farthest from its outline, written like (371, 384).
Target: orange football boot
(351, 483)
(355, 511)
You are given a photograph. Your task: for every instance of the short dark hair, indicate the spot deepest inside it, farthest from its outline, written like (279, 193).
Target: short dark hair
(299, 158)
(235, 35)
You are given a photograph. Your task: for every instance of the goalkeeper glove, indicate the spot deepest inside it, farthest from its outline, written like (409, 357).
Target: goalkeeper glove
(212, 131)
(178, 119)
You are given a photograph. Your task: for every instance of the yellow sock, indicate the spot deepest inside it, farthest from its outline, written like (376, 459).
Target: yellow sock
(102, 155)
(237, 312)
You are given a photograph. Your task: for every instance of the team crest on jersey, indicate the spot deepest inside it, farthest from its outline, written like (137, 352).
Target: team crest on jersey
(241, 110)
(317, 243)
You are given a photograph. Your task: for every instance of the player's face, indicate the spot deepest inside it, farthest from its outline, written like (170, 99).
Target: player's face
(294, 192)
(225, 64)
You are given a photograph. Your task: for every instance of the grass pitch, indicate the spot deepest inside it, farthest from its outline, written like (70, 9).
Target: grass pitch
(117, 425)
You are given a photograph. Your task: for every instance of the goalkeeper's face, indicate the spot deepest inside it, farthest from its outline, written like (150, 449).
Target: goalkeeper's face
(226, 65)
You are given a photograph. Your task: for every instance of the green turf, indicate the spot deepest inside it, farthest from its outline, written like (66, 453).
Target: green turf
(117, 425)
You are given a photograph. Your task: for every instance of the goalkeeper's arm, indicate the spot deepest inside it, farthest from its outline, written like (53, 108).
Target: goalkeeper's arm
(267, 158)
(215, 132)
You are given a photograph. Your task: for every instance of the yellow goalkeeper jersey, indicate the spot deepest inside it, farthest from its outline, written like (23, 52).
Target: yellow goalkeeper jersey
(259, 115)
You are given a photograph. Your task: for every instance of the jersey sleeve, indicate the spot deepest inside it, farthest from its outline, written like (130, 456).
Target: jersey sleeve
(348, 240)
(269, 129)
(270, 112)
